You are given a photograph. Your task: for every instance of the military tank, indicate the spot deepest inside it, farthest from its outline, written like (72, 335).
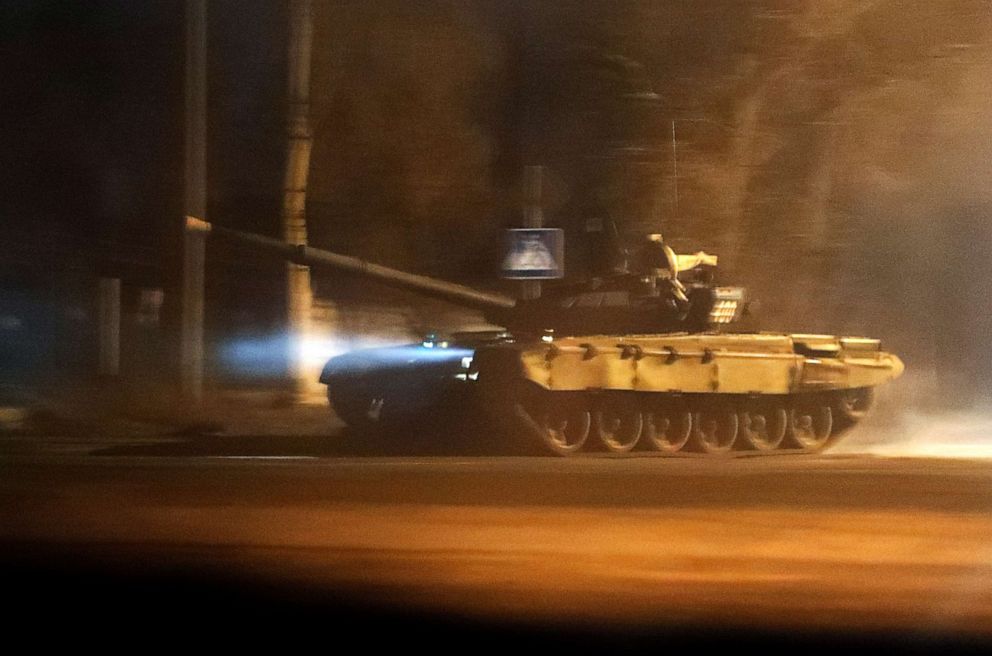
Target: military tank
(659, 356)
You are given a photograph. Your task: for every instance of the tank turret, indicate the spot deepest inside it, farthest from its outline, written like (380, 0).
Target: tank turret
(677, 297)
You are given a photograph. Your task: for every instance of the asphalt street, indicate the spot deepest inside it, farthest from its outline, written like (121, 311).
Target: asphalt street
(829, 547)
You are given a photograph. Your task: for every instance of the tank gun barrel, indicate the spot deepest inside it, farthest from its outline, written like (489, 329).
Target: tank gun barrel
(310, 256)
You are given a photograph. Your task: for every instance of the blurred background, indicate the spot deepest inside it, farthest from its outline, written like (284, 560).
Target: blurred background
(835, 154)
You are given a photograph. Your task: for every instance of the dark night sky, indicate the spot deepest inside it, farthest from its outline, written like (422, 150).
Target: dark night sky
(90, 121)
(93, 123)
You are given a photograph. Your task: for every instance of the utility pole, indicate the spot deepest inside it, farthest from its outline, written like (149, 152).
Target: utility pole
(195, 201)
(299, 140)
(110, 327)
(533, 218)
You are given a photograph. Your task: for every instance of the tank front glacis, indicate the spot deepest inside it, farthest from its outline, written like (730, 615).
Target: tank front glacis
(373, 385)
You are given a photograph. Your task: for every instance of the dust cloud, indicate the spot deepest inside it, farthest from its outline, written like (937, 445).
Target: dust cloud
(911, 420)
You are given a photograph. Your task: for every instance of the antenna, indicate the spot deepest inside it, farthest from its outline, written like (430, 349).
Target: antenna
(675, 167)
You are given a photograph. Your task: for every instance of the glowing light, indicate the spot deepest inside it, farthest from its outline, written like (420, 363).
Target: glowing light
(318, 349)
(267, 355)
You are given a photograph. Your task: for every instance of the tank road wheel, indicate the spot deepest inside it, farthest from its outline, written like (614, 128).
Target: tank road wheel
(714, 431)
(618, 423)
(854, 404)
(564, 425)
(668, 426)
(357, 408)
(810, 423)
(850, 406)
(763, 424)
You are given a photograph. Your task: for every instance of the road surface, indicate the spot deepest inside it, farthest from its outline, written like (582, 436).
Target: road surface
(834, 545)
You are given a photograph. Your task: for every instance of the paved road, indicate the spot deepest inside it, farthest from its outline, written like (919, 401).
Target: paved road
(789, 544)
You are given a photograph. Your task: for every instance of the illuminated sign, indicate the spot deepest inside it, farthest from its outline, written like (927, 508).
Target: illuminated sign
(534, 253)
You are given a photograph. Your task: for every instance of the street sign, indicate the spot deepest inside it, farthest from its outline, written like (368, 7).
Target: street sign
(534, 254)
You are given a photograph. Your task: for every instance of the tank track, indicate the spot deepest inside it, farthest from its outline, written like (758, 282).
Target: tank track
(621, 423)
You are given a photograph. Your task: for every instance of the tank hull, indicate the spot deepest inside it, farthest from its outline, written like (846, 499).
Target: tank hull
(759, 363)
(710, 392)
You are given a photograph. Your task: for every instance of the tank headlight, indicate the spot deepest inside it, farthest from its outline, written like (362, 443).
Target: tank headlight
(431, 341)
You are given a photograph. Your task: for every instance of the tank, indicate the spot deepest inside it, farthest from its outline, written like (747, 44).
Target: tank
(657, 357)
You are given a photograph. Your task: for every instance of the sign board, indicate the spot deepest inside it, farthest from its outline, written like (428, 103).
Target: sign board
(534, 254)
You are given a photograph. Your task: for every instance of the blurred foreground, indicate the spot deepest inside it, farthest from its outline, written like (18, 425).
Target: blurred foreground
(298, 530)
